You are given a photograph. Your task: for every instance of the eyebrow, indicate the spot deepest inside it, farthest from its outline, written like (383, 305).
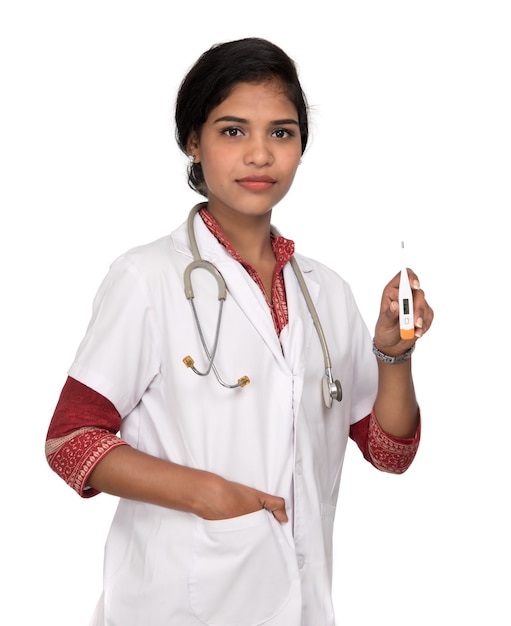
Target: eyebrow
(242, 120)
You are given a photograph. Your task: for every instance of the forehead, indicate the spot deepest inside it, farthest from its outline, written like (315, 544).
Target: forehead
(257, 97)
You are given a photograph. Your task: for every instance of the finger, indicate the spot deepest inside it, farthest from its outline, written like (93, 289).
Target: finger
(419, 309)
(414, 279)
(423, 313)
(280, 515)
(391, 290)
(389, 317)
(276, 506)
(387, 326)
(393, 284)
(424, 322)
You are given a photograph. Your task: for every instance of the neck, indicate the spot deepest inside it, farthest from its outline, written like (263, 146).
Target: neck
(249, 235)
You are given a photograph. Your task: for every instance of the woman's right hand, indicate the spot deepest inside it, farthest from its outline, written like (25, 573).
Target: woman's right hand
(128, 473)
(224, 499)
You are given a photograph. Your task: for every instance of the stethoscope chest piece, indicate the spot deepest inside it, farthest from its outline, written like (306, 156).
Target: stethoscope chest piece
(332, 389)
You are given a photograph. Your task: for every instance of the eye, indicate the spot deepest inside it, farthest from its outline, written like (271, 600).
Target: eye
(282, 133)
(232, 131)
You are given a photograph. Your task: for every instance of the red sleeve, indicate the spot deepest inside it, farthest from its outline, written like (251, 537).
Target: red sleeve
(386, 453)
(83, 429)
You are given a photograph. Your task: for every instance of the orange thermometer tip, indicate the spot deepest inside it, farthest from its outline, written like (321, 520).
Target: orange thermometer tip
(406, 334)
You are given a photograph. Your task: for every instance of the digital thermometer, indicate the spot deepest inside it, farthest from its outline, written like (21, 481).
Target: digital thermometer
(406, 318)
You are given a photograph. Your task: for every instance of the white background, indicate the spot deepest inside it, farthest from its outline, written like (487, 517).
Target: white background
(411, 140)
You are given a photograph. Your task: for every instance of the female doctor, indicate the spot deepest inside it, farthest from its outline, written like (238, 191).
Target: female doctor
(201, 404)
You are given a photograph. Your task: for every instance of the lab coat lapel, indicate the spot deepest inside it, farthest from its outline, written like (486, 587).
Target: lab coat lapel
(240, 287)
(297, 336)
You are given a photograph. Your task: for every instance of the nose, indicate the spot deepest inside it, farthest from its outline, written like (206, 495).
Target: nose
(258, 152)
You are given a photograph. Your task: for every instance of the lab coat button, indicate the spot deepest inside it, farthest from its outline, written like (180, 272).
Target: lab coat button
(298, 468)
(300, 560)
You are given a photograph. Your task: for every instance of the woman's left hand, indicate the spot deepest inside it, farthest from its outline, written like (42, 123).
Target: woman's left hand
(386, 336)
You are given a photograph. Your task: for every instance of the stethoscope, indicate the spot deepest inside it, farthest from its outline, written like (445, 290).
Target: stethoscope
(332, 389)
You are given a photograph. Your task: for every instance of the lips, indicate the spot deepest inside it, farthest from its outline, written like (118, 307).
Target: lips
(256, 183)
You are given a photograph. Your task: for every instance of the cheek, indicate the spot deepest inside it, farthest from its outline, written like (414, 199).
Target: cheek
(292, 165)
(217, 164)
(212, 165)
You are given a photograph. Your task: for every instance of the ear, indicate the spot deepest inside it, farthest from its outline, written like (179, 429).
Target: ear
(193, 148)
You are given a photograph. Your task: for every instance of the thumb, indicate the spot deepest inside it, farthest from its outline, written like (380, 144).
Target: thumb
(277, 506)
(389, 316)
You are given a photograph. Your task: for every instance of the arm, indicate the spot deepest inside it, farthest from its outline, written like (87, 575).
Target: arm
(396, 407)
(132, 474)
(83, 449)
(82, 430)
(389, 454)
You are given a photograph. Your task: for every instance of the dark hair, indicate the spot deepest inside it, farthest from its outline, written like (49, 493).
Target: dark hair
(212, 78)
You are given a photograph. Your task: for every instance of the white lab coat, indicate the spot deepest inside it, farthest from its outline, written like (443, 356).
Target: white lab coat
(165, 567)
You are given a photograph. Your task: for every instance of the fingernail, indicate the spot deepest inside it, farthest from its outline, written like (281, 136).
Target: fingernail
(415, 284)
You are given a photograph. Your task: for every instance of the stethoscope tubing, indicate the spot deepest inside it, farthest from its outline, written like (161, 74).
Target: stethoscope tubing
(331, 388)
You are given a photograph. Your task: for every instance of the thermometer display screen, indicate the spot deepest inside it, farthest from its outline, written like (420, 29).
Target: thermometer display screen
(406, 306)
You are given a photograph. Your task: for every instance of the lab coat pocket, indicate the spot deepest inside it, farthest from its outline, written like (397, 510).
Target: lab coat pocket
(240, 571)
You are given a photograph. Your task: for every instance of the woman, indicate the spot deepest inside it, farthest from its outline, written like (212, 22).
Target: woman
(228, 489)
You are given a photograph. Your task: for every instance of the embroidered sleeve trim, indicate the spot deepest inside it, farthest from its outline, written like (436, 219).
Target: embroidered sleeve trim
(390, 454)
(74, 456)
